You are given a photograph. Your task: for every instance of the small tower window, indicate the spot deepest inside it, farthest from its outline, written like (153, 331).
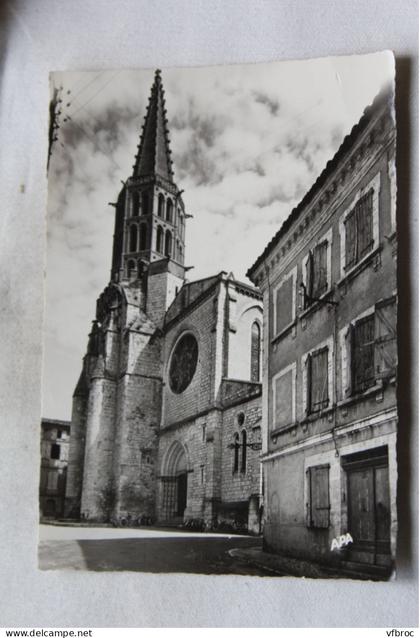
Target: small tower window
(161, 205)
(168, 244)
(135, 204)
(159, 239)
(131, 268)
(243, 455)
(169, 210)
(143, 236)
(255, 351)
(133, 239)
(145, 203)
(236, 447)
(55, 451)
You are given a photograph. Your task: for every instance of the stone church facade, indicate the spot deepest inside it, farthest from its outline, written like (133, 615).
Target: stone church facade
(166, 414)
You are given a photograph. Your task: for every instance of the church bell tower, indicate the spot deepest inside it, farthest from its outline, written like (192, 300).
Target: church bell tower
(149, 237)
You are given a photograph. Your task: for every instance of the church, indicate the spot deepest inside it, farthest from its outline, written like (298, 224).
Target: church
(166, 417)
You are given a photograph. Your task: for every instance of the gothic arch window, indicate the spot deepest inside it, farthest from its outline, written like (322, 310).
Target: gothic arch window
(169, 210)
(168, 243)
(133, 238)
(236, 448)
(161, 205)
(135, 204)
(143, 236)
(145, 203)
(131, 268)
(159, 239)
(255, 351)
(243, 455)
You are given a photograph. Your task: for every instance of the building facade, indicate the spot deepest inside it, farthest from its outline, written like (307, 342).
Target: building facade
(329, 411)
(55, 437)
(167, 409)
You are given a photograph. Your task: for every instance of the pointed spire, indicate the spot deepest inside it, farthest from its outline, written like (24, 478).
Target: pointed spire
(154, 154)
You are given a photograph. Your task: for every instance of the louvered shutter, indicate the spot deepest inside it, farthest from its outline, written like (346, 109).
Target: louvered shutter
(364, 222)
(386, 339)
(320, 283)
(348, 360)
(319, 380)
(309, 275)
(363, 354)
(351, 239)
(319, 496)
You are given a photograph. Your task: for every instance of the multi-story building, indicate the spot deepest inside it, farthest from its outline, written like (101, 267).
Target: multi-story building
(55, 437)
(329, 368)
(166, 413)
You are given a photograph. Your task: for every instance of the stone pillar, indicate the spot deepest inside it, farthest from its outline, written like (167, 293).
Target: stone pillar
(76, 455)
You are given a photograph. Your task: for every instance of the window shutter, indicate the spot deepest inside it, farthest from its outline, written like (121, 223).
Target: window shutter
(351, 239)
(320, 283)
(308, 383)
(319, 380)
(349, 345)
(319, 496)
(364, 208)
(386, 339)
(309, 275)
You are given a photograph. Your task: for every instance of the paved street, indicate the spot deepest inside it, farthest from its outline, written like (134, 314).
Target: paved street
(148, 550)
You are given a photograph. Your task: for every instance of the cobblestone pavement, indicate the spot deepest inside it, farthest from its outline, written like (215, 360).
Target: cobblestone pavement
(148, 550)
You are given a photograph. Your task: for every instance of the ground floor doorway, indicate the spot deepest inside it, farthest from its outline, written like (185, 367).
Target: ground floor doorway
(368, 506)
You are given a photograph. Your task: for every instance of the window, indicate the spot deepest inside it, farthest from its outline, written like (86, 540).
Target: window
(59, 434)
(161, 205)
(143, 236)
(369, 348)
(55, 451)
(317, 381)
(363, 368)
(317, 271)
(168, 243)
(255, 351)
(131, 268)
(204, 433)
(169, 210)
(145, 203)
(159, 239)
(359, 230)
(202, 474)
(236, 447)
(284, 303)
(133, 239)
(244, 450)
(135, 204)
(318, 505)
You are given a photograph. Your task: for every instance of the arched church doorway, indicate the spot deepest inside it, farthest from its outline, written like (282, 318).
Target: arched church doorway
(175, 482)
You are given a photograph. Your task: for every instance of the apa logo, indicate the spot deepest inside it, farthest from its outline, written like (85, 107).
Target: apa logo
(341, 541)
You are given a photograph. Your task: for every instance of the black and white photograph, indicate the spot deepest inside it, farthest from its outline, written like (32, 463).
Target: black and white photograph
(220, 331)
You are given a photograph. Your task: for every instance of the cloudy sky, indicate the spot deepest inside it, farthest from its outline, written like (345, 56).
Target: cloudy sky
(247, 143)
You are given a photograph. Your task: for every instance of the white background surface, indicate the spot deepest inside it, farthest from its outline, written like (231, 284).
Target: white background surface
(39, 36)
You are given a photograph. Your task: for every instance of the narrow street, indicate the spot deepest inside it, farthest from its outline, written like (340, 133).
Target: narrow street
(146, 550)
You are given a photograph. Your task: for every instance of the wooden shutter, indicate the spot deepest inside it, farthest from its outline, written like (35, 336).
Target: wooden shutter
(284, 305)
(363, 365)
(364, 221)
(319, 496)
(386, 339)
(319, 380)
(351, 239)
(348, 361)
(320, 282)
(309, 276)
